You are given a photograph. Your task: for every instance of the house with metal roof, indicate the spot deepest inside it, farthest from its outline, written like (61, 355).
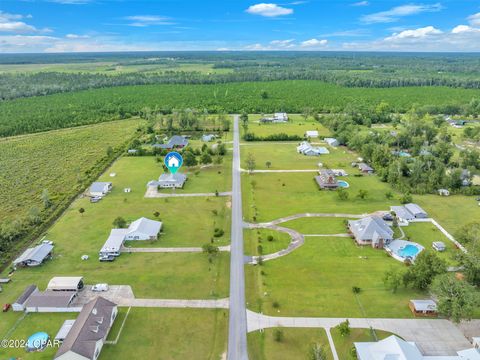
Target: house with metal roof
(100, 188)
(51, 301)
(307, 149)
(395, 348)
(34, 256)
(169, 180)
(208, 137)
(175, 142)
(416, 211)
(402, 214)
(143, 229)
(19, 304)
(371, 230)
(66, 283)
(311, 134)
(332, 142)
(86, 337)
(114, 243)
(64, 330)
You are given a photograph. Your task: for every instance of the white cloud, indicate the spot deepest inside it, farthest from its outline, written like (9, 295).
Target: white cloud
(361, 3)
(269, 10)
(282, 43)
(414, 34)
(397, 12)
(76, 36)
(474, 19)
(11, 23)
(148, 20)
(314, 43)
(461, 38)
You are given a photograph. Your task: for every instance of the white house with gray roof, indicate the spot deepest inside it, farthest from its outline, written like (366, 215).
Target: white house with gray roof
(409, 212)
(100, 188)
(143, 229)
(176, 141)
(371, 230)
(87, 335)
(34, 256)
(169, 180)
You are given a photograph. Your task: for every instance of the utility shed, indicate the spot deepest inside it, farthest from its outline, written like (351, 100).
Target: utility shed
(19, 304)
(51, 301)
(34, 256)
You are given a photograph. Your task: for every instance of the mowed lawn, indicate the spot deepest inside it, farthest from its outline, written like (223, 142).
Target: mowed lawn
(345, 344)
(277, 195)
(296, 125)
(425, 234)
(318, 225)
(284, 156)
(317, 280)
(297, 343)
(270, 241)
(170, 334)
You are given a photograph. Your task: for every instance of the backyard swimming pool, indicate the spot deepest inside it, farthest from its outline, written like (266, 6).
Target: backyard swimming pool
(403, 250)
(37, 342)
(343, 184)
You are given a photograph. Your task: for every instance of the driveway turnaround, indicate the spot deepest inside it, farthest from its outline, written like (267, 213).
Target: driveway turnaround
(433, 337)
(237, 327)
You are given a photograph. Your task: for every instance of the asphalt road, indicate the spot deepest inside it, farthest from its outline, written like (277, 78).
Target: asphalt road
(237, 333)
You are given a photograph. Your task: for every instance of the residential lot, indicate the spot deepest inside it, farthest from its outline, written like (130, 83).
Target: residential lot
(296, 125)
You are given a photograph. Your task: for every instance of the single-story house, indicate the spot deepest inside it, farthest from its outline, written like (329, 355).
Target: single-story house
(311, 134)
(276, 118)
(19, 304)
(416, 211)
(34, 256)
(208, 137)
(175, 142)
(443, 192)
(100, 188)
(86, 337)
(423, 307)
(169, 180)
(113, 245)
(307, 149)
(439, 246)
(51, 301)
(364, 168)
(64, 330)
(339, 172)
(332, 142)
(395, 348)
(326, 180)
(66, 283)
(143, 229)
(371, 230)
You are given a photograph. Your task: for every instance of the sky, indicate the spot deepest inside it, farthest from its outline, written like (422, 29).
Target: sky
(162, 25)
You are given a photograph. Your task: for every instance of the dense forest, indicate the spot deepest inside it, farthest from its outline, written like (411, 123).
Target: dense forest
(36, 114)
(344, 69)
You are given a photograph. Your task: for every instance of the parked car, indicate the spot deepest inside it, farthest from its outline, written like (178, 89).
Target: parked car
(100, 287)
(388, 217)
(95, 199)
(6, 307)
(106, 258)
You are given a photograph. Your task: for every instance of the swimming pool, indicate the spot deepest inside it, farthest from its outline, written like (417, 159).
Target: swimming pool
(37, 342)
(403, 250)
(343, 184)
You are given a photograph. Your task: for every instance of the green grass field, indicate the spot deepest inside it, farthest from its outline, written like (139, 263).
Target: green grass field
(255, 237)
(344, 344)
(296, 125)
(164, 334)
(318, 225)
(296, 344)
(317, 280)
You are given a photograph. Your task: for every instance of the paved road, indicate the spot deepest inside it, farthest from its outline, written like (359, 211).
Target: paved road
(434, 337)
(237, 329)
(280, 171)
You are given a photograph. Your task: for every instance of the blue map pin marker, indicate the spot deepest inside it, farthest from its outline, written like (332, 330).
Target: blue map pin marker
(173, 161)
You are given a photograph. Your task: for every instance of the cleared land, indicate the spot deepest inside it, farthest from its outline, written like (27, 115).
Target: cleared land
(296, 125)
(317, 280)
(295, 344)
(270, 241)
